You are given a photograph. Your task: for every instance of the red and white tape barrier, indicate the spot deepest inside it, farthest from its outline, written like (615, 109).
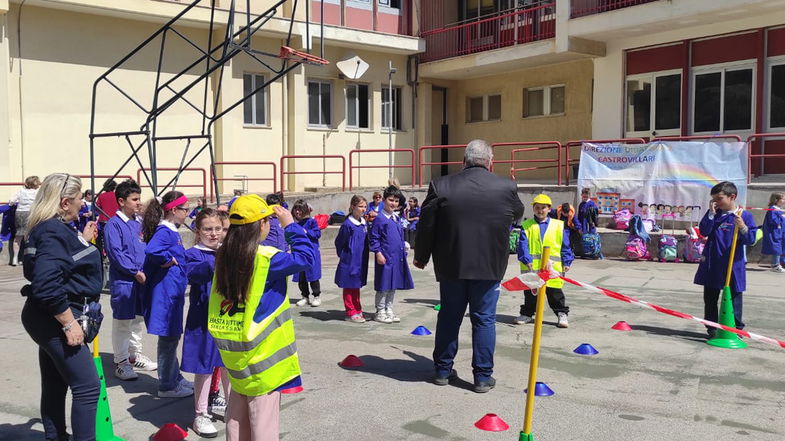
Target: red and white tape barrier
(526, 280)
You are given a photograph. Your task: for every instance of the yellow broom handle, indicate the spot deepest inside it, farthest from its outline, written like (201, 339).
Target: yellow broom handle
(535, 357)
(95, 347)
(732, 251)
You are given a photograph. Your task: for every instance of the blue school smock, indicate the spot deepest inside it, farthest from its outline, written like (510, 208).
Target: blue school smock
(413, 213)
(164, 297)
(125, 249)
(387, 236)
(773, 227)
(583, 217)
(276, 237)
(714, 263)
(352, 248)
(8, 227)
(200, 355)
(313, 231)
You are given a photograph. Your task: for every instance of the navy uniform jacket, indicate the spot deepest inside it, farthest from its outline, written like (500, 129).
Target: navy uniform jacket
(58, 263)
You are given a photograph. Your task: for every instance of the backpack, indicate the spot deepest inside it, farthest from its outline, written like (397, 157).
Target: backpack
(515, 235)
(635, 248)
(667, 249)
(693, 249)
(592, 248)
(622, 219)
(321, 220)
(337, 217)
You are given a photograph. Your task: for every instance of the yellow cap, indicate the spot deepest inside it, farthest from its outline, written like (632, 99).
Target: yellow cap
(248, 209)
(542, 199)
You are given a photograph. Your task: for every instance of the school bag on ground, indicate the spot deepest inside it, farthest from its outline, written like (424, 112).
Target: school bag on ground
(622, 219)
(592, 247)
(321, 220)
(668, 247)
(693, 249)
(636, 247)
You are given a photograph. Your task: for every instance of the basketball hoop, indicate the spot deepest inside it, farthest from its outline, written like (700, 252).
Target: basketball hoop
(288, 53)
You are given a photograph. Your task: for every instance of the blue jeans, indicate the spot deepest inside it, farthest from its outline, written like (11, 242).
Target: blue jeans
(481, 297)
(711, 310)
(168, 366)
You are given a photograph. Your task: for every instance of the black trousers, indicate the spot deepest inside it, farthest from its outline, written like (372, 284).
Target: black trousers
(63, 367)
(303, 284)
(556, 301)
(410, 236)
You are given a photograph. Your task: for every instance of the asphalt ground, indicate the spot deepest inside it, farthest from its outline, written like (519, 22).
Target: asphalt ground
(660, 381)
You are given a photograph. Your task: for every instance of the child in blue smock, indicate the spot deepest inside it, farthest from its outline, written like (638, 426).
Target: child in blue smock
(412, 216)
(125, 251)
(351, 244)
(200, 355)
(587, 213)
(391, 272)
(164, 297)
(773, 227)
(276, 237)
(718, 225)
(311, 276)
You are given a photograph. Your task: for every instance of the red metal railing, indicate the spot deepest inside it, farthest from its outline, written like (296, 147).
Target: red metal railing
(506, 29)
(203, 186)
(582, 8)
(323, 172)
(568, 163)
(213, 179)
(533, 147)
(388, 166)
(437, 147)
(736, 138)
(762, 138)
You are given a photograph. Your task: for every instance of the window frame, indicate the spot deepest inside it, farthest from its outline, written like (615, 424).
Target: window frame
(397, 108)
(652, 77)
(486, 98)
(321, 82)
(722, 68)
(546, 101)
(252, 99)
(357, 104)
(771, 62)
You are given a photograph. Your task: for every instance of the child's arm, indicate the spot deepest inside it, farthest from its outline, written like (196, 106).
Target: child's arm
(198, 270)
(706, 224)
(567, 257)
(312, 228)
(300, 259)
(342, 239)
(157, 249)
(523, 250)
(375, 236)
(121, 259)
(748, 237)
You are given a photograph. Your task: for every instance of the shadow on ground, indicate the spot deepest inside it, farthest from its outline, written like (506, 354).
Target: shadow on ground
(685, 335)
(21, 432)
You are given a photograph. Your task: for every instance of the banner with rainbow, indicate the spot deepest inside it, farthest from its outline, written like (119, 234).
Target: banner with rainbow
(661, 178)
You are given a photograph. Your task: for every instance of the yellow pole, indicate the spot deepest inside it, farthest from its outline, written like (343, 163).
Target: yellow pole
(732, 250)
(535, 356)
(95, 347)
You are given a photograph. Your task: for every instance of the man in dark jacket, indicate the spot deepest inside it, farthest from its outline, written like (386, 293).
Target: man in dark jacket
(465, 224)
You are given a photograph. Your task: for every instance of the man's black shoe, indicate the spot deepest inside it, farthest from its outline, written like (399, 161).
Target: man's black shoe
(482, 387)
(444, 381)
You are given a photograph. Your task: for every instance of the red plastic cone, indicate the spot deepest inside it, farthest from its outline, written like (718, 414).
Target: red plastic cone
(491, 423)
(170, 432)
(622, 326)
(351, 361)
(293, 390)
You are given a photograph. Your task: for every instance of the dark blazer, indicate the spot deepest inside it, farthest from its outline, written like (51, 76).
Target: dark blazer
(465, 224)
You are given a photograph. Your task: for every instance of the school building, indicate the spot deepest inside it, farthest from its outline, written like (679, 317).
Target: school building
(509, 71)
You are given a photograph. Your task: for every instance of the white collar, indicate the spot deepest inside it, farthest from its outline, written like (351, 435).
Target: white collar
(122, 216)
(388, 216)
(169, 225)
(355, 221)
(200, 246)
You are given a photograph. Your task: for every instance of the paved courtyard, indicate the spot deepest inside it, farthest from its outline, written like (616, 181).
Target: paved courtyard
(660, 381)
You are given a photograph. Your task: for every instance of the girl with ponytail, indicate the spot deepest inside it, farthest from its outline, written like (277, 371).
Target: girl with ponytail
(164, 297)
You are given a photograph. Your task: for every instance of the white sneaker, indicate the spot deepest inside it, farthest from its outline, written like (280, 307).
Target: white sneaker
(778, 269)
(317, 301)
(563, 323)
(178, 392)
(382, 317)
(187, 384)
(125, 371)
(142, 363)
(302, 302)
(393, 318)
(357, 318)
(523, 320)
(204, 427)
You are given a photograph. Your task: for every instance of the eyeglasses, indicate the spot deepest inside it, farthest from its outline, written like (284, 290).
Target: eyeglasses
(65, 183)
(212, 230)
(181, 208)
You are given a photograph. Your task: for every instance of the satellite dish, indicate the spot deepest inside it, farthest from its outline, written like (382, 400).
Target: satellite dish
(353, 68)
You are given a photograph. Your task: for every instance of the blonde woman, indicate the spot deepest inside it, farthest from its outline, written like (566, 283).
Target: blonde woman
(64, 271)
(23, 200)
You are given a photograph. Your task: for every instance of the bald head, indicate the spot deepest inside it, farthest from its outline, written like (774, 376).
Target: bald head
(478, 153)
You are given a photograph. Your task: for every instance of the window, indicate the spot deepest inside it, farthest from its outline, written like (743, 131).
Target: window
(391, 3)
(777, 96)
(653, 104)
(395, 111)
(483, 108)
(358, 108)
(722, 100)
(319, 104)
(255, 107)
(541, 101)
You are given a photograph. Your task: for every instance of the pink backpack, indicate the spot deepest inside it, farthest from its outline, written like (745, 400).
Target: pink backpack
(693, 249)
(636, 249)
(622, 219)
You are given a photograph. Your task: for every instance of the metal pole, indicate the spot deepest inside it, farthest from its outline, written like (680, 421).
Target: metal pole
(390, 119)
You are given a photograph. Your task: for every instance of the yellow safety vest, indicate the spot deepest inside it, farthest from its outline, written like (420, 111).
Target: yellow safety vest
(553, 239)
(259, 357)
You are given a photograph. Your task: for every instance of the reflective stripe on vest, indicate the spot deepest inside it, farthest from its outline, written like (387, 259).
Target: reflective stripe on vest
(553, 239)
(259, 356)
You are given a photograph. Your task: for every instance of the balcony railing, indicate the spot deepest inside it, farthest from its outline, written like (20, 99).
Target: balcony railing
(582, 8)
(506, 29)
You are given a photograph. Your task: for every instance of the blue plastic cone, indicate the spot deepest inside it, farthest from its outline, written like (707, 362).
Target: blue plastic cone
(541, 390)
(421, 330)
(586, 349)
